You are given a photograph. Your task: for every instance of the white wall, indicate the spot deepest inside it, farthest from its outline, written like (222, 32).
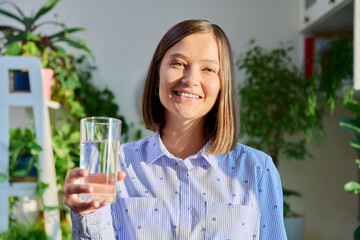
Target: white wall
(123, 35)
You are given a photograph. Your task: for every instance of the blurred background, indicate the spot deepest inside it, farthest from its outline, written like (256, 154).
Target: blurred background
(122, 36)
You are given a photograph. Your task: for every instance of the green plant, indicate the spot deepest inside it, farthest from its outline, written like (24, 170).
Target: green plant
(19, 231)
(96, 102)
(276, 102)
(22, 231)
(336, 69)
(28, 41)
(279, 109)
(72, 85)
(353, 126)
(22, 143)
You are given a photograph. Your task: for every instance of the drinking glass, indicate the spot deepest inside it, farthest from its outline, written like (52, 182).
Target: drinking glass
(99, 154)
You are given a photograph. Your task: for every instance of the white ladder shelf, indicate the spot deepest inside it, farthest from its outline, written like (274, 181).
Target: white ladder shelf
(35, 100)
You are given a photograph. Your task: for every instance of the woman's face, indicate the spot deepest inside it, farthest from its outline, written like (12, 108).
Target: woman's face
(189, 82)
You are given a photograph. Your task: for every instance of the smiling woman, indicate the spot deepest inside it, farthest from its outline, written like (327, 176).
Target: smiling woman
(191, 179)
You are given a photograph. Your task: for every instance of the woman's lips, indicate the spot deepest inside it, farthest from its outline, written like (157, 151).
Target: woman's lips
(186, 94)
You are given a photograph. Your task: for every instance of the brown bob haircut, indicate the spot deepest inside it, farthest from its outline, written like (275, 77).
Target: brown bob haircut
(222, 122)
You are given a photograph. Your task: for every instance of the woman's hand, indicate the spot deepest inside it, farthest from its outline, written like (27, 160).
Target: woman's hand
(72, 189)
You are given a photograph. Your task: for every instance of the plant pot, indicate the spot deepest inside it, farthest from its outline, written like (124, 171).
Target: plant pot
(295, 227)
(22, 83)
(23, 164)
(47, 76)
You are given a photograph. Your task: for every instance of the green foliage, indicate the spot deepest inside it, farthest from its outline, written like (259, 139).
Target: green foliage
(276, 102)
(66, 141)
(27, 41)
(353, 126)
(96, 102)
(357, 233)
(19, 231)
(22, 143)
(22, 231)
(336, 61)
(72, 88)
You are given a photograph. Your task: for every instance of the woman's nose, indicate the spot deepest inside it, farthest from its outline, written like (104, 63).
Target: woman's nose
(191, 77)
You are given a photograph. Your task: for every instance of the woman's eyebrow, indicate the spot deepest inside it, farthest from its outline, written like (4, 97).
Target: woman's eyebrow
(180, 55)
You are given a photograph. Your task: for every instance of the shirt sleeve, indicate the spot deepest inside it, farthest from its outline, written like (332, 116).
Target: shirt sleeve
(96, 225)
(271, 203)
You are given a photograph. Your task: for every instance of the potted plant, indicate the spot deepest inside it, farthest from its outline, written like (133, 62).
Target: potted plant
(28, 41)
(23, 154)
(353, 126)
(72, 86)
(279, 108)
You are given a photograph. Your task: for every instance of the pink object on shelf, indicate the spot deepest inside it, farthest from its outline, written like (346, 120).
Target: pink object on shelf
(47, 76)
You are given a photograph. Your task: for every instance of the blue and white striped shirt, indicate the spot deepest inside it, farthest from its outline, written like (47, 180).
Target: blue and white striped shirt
(237, 196)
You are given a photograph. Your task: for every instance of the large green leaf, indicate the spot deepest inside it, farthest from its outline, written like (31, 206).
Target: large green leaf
(67, 31)
(352, 187)
(350, 125)
(353, 106)
(14, 49)
(11, 28)
(47, 7)
(75, 44)
(16, 38)
(10, 15)
(355, 143)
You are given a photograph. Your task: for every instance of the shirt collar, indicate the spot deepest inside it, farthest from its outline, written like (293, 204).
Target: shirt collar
(211, 158)
(157, 149)
(154, 151)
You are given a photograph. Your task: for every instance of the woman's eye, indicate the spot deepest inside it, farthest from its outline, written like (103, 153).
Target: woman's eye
(177, 64)
(210, 70)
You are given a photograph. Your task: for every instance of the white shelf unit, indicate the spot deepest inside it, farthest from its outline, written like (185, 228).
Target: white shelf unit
(35, 100)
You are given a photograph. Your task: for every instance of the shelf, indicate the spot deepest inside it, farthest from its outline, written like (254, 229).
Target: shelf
(339, 19)
(53, 104)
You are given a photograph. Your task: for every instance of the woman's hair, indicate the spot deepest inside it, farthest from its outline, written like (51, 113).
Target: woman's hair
(222, 122)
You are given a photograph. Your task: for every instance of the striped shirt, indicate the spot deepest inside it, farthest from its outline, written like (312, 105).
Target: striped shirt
(237, 196)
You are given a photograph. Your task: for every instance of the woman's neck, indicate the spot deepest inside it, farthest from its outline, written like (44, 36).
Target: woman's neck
(183, 139)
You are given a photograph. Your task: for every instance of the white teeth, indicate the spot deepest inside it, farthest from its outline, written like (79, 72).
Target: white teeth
(189, 95)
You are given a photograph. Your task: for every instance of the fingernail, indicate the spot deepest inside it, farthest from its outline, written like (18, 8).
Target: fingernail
(96, 205)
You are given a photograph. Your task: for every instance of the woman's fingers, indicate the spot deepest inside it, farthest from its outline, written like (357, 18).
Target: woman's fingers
(82, 207)
(75, 174)
(77, 189)
(121, 175)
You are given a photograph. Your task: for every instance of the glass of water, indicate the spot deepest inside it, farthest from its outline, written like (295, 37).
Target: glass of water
(99, 154)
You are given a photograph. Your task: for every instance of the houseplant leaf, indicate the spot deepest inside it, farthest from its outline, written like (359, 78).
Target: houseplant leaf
(353, 187)
(350, 125)
(10, 15)
(67, 31)
(355, 143)
(47, 7)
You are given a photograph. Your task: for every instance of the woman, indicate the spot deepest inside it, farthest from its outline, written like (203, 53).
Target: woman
(191, 179)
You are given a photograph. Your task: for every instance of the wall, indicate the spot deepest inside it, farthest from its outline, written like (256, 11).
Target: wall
(123, 35)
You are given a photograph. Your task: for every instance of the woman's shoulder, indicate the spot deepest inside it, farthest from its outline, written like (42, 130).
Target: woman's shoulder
(242, 152)
(139, 144)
